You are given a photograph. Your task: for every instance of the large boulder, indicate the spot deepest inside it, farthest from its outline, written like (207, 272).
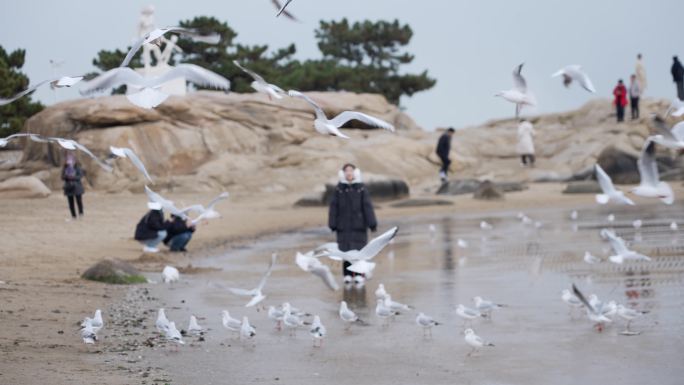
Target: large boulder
(620, 165)
(583, 187)
(23, 187)
(488, 191)
(114, 271)
(470, 186)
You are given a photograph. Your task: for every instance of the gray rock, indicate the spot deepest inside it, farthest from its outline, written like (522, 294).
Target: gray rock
(470, 186)
(488, 191)
(621, 166)
(380, 190)
(422, 203)
(312, 200)
(114, 271)
(583, 187)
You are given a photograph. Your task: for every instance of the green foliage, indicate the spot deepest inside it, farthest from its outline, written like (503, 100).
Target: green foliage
(12, 81)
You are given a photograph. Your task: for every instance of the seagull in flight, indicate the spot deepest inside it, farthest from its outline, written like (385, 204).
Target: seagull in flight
(282, 11)
(574, 73)
(651, 186)
(206, 213)
(64, 81)
(260, 85)
(622, 252)
(157, 37)
(166, 204)
(610, 193)
(671, 138)
(359, 259)
(125, 152)
(310, 263)
(327, 126)
(519, 93)
(256, 293)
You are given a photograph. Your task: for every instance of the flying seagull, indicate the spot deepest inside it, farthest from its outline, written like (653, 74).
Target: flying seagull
(206, 213)
(155, 37)
(671, 138)
(331, 126)
(282, 11)
(256, 293)
(310, 263)
(260, 85)
(64, 81)
(71, 145)
(359, 259)
(622, 252)
(166, 204)
(519, 93)
(574, 73)
(610, 193)
(125, 152)
(650, 185)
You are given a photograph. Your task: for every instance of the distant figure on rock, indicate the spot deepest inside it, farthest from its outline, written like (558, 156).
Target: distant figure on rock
(150, 230)
(640, 72)
(443, 149)
(635, 91)
(678, 77)
(73, 188)
(178, 233)
(620, 101)
(525, 146)
(351, 214)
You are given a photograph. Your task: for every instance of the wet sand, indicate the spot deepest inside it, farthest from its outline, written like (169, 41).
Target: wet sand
(43, 297)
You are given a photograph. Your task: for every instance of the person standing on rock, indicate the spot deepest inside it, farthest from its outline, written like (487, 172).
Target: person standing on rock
(73, 188)
(634, 95)
(443, 149)
(178, 233)
(678, 77)
(525, 146)
(640, 72)
(150, 230)
(351, 214)
(620, 101)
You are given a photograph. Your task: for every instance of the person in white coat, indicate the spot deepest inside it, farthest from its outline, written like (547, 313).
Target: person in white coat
(525, 146)
(640, 72)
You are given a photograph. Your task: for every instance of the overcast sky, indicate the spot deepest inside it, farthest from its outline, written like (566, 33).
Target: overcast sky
(470, 47)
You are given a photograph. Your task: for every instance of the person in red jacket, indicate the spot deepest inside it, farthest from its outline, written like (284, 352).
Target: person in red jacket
(620, 93)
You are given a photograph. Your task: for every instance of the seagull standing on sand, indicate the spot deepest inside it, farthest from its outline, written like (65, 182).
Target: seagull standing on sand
(291, 321)
(260, 85)
(172, 334)
(610, 193)
(326, 126)
(88, 332)
(622, 253)
(125, 152)
(629, 315)
(232, 324)
(426, 322)
(590, 258)
(518, 94)
(276, 315)
(486, 306)
(383, 312)
(474, 341)
(156, 37)
(650, 185)
(486, 226)
(468, 314)
(310, 263)
(317, 332)
(380, 292)
(170, 274)
(348, 316)
(574, 73)
(96, 323)
(162, 323)
(194, 327)
(64, 81)
(256, 293)
(247, 331)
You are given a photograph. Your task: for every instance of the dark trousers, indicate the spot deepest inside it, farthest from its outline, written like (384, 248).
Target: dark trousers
(79, 202)
(620, 112)
(635, 107)
(179, 241)
(680, 90)
(527, 157)
(445, 166)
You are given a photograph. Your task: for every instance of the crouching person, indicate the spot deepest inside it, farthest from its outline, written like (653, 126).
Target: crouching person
(178, 233)
(150, 230)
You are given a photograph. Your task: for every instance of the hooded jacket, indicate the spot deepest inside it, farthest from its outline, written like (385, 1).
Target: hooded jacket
(620, 93)
(149, 225)
(351, 213)
(444, 146)
(72, 180)
(677, 71)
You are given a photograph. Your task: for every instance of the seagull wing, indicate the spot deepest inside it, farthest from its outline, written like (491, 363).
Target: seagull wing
(585, 82)
(90, 154)
(303, 260)
(648, 168)
(195, 35)
(194, 74)
(131, 52)
(604, 181)
(581, 297)
(616, 243)
(377, 244)
(346, 116)
(23, 93)
(518, 80)
(262, 283)
(253, 74)
(199, 209)
(323, 272)
(317, 109)
(663, 130)
(112, 78)
(130, 154)
(220, 197)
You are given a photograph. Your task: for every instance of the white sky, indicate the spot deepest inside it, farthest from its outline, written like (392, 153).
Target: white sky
(469, 46)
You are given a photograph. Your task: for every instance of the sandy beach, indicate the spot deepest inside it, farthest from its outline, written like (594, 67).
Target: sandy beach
(44, 298)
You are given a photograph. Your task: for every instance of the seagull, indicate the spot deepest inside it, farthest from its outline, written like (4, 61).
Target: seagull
(64, 81)
(574, 72)
(674, 226)
(621, 251)
(230, 323)
(276, 315)
(610, 218)
(194, 327)
(246, 330)
(395, 306)
(71, 145)
(95, 323)
(426, 322)
(125, 152)
(629, 315)
(5, 141)
(485, 306)
(467, 313)
(671, 138)
(462, 243)
(162, 323)
(260, 85)
(574, 215)
(172, 334)
(676, 109)
(610, 193)
(347, 315)
(166, 204)
(156, 37)
(384, 312)
(591, 259)
(206, 213)
(88, 332)
(310, 263)
(291, 321)
(474, 341)
(518, 94)
(485, 226)
(593, 313)
(637, 223)
(282, 11)
(327, 126)
(571, 299)
(170, 274)
(147, 94)
(256, 293)
(380, 292)
(650, 185)
(317, 331)
(359, 259)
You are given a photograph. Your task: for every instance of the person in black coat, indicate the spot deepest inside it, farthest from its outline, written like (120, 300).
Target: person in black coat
(677, 71)
(443, 149)
(351, 213)
(178, 233)
(151, 230)
(73, 188)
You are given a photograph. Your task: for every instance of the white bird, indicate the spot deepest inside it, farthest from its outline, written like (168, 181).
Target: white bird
(462, 243)
(485, 226)
(380, 292)
(230, 323)
(574, 215)
(88, 332)
(96, 322)
(162, 323)
(671, 138)
(474, 341)
(650, 185)
(291, 321)
(125, 152)
(593, 313)
(610, 218)
(426, 322)
(486, 306)
(256, 293)
(326, 126)
(206, 213)
(518, 94)
(467, 313)
(359, 259)
(194, 327)
(394, 305)
(172, 334)
(156, 37)
(622, 253)
(676, 108)
(170, 274)
(384, 312)
(64, 81)
(5, 141)
(71, 145)
(147, 94)
(574, 73)
(346, 315)
(246, 330)
(282, 11)
(571, 299)
(637, 223)
(310, 263)
(432, 228)
(674, 226)
(317, 331)
(261, 85)
(276, 315)
(629, 315)
(590, 258)
(166, 204)
(610, 193)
